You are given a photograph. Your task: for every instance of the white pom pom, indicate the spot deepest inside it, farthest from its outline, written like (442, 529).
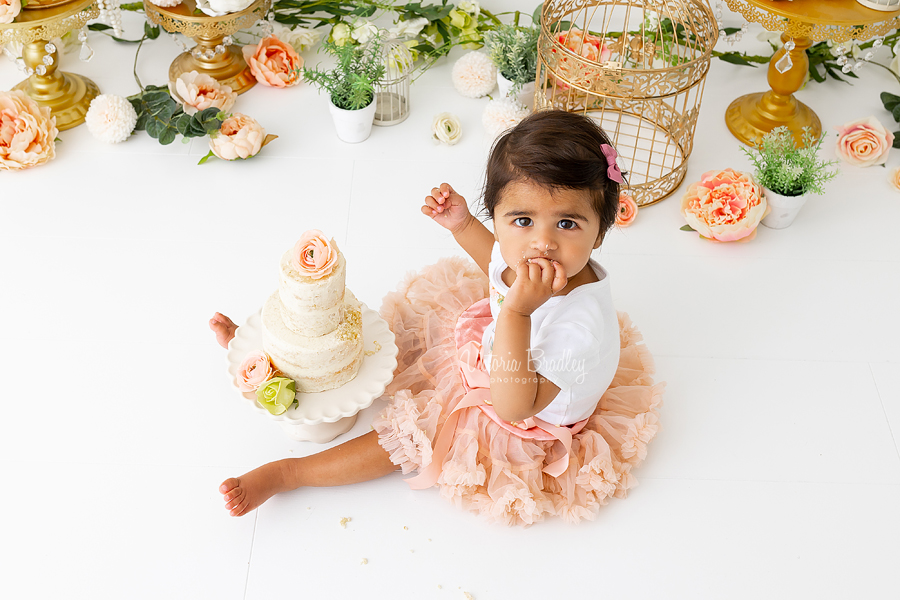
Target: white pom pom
(474, 75)
(110, 118)
(502, 114)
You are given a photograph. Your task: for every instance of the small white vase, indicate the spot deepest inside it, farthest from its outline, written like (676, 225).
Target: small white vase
(352, 126)
(782, 209)
(526, 94)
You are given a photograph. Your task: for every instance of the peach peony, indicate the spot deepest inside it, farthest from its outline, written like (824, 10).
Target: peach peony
(273, 62)
(313, 255)
(254, 371)
(196, 92)
(864, 142)
(724, 206)
(27, 132)
(239, 137)
(628, 209)
(9, 10)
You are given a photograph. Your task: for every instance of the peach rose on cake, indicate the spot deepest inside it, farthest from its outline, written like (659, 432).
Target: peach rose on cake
(27, 132)
(9, 10)
(628, 209)
(313, 255)
(254, 371)
(724, 206)
(864, 142)
(273, 62)
(198, 91)
(239, 137)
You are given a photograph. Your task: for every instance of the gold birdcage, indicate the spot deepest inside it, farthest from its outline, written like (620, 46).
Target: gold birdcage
(638, 68)
(392, 95)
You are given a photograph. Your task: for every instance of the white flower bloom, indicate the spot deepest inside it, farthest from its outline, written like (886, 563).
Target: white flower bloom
(847, 46)
(502, 114)
(340, 34)
(363, 31)
(771, 37)
(445, 128)
(408, 28)
(300, 38)
(470, 6)
(895, 65)
(110, 118)
(474, 75)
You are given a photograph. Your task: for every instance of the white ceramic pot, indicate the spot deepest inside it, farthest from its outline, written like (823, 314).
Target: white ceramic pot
(887, 5)
(782, 209)
(526, 94)
(352, 126)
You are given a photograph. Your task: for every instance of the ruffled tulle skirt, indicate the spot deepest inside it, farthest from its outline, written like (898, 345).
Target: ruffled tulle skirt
(489, 469)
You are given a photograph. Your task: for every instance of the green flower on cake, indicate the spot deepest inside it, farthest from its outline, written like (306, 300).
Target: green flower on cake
(276, 395)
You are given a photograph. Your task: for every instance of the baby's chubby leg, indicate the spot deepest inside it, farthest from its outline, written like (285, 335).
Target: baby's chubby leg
(223, 327)
(360, 459)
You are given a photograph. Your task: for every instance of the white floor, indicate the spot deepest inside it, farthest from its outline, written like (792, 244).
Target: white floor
(776, 473)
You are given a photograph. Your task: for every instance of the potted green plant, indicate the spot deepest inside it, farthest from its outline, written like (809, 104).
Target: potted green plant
(351, 86)
(789, 174)
(513, 50)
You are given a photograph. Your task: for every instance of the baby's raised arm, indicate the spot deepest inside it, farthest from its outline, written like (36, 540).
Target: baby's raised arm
(449, 210)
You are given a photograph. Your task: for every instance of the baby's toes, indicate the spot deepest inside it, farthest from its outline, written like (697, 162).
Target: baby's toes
(241, 508)
(229, 484)
(237, 500)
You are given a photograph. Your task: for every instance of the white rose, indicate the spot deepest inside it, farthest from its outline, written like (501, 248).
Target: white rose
(445, 128)
(408, 28)
(470, 6)
(300, 38)
(340, 34)
(363, 32)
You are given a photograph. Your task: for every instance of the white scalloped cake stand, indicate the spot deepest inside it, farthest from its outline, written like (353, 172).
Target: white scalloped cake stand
(322, 416)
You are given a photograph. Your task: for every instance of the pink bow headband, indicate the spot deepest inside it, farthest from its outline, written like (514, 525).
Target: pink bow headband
(612, 171)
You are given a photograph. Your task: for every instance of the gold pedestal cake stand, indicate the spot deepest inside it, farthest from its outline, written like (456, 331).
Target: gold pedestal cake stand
(802, 22)
(210, 56)
(66, 94)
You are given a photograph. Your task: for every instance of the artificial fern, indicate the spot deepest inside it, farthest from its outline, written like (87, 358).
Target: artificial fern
(351, 83)
(788, 170)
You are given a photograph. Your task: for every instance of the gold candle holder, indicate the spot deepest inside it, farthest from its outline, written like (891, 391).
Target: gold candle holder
(66, 94)
(803, 22)
(226, 65)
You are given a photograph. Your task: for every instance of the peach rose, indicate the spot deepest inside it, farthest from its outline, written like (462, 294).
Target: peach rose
(239, 137)
(724, 206)
(273, 62)
(864, 142)
(27, 132)
(9, 10)
(584, 44)
(313, 255)
(254, 371)
(628, 209)
(196, 92)
(895, 178)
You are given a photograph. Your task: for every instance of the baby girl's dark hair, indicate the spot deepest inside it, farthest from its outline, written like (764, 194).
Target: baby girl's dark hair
(556, 150)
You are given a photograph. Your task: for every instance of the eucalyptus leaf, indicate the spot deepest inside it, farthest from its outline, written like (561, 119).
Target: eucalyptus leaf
(896, 113)
(889, 100)
(168, 136)
(151, 31)
(182, 123)
(896, 143)
(155, 128)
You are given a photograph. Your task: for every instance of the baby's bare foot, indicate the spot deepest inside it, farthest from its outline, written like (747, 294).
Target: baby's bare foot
(223, 327)
(250, 490)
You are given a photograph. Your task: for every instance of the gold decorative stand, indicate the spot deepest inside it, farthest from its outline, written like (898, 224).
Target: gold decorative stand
(802, 21)
(225, 63)
(66, 94)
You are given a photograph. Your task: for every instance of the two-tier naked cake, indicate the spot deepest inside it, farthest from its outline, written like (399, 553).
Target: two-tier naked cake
(312, 326)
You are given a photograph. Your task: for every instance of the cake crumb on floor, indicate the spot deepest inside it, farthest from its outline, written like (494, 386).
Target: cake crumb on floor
(469, 596)
(344, 521)
(365, 561)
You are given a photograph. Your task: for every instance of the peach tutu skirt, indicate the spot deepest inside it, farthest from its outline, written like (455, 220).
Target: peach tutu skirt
(489, 469)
